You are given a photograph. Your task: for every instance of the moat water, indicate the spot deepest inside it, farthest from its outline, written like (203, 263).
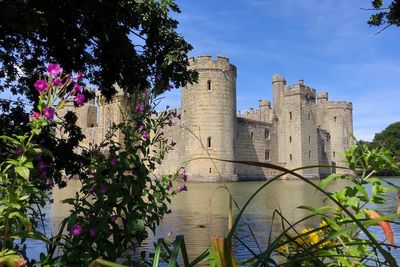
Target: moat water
(202, 212)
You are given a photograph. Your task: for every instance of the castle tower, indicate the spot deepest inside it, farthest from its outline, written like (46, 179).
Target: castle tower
(340, 121)
(209, 116)
(110, 112)
(295, 109)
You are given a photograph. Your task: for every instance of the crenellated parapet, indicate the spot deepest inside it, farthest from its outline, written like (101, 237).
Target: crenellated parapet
(205, 62)
(339, 105)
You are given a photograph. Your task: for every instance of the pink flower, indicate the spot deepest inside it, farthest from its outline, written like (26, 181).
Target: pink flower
(48, 113)
(145, 134)
(185, 177)
(77, 89)
(141, 127)
(182, 188)
(103, 189)
(113, 218)
(92, 231)
(41, 86)
(113, 161)
(168, 87)
(80, 99)
(53, 69)
(76, 230)
(57, 82)
(79, 76)
(35, 115)
(139, 107)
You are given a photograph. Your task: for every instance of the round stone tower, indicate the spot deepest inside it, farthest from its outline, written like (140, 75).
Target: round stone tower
(209, 119)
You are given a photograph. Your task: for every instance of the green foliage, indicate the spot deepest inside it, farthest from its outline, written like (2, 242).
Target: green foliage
(390, 139)
(342, 237)
(118, 200)
(119, 42)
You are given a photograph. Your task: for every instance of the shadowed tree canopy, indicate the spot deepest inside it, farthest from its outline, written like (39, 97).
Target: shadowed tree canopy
(387, 14)
(124, 42)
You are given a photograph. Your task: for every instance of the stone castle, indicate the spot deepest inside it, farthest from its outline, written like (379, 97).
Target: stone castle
(301, 128)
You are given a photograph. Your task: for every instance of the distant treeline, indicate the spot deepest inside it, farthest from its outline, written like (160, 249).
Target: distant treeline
(390, 139)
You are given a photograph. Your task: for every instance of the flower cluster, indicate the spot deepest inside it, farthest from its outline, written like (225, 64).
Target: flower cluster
(55, 90)
(308, 237)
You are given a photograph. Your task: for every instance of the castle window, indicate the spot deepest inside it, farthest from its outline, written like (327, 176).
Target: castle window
(92, 125)
(209, 142)
(210, 170)
(251, 135)
(267, 155)
(209, 87)
(334, 154)
(309, 139)
(290, 139)
(334, 119)
(291, 157)
(266, 134)
(290, 115)
(309, 154)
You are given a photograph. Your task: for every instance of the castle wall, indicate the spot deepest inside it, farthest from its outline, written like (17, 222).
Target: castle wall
(302, 128)
(255, 143)
(174, 159)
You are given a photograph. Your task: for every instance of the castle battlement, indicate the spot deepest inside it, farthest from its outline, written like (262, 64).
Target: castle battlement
(339, 105)
(300, 88)
(205, 62)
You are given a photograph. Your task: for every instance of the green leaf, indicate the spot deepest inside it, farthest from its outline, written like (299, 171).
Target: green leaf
(23, 172)
(328, 180)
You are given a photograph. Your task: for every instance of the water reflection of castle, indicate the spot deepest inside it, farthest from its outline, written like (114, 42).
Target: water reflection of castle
(301, 128)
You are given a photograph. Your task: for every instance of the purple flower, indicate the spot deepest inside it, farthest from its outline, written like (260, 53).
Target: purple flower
(168, 87)
(182, 188)
(76, 230)
(48, 113)
(80, 99)
(35, 115)
(113, 161)
(42, 166)
(113, 218)
(145, 134)
(103, 189)
(53, 69)
(57, 82)
(79, 76)
(139, 107)
(41, 86)
(19, 152)
(168, 187)
(185, 177)
(77, 89)
(92, 232)
(158, 77)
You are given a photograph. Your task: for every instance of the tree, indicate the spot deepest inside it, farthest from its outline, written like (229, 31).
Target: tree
(129, 43)
(120, 42)
(387, 15)
(390, 139)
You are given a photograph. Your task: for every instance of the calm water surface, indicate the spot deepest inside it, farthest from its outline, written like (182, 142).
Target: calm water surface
(202, 212)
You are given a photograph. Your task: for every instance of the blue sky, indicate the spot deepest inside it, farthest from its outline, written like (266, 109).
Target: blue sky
(327, 43)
